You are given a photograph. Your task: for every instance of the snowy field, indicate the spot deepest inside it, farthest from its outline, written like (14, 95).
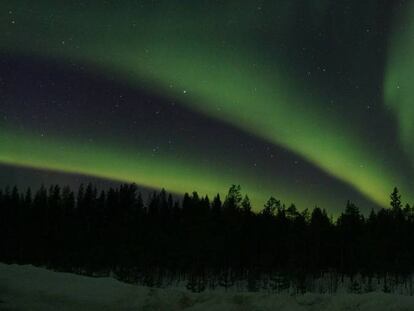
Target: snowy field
(30, 288)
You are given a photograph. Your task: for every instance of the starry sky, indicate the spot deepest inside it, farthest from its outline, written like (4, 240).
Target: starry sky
(308, 101)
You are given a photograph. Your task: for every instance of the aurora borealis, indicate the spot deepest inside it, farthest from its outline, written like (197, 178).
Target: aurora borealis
(305, 100)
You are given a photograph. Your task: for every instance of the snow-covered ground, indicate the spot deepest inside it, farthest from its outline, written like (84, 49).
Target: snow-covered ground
(30, 288)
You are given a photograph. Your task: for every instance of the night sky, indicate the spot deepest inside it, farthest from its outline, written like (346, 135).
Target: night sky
(308, 101)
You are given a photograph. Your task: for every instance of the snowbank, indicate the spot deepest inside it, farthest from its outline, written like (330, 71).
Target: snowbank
(30, 288)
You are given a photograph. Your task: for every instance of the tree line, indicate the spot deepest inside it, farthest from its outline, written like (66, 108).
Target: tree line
(204, 243)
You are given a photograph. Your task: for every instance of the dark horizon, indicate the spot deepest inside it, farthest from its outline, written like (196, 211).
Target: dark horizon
(207, 242)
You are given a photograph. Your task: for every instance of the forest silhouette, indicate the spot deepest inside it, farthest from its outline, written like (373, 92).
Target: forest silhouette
(205, 243)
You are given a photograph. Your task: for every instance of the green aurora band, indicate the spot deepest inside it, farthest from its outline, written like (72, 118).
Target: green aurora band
(116, 163)
(399, 82)
(207, 63)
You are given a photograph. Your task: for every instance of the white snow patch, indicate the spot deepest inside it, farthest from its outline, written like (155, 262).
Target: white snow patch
(30, 288)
